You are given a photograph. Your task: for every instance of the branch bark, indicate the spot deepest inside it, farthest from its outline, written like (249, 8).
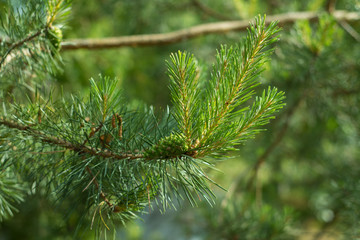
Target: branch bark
(196, 31)
(80, 148)
(102, 194)
(210, 12)
(19, 44)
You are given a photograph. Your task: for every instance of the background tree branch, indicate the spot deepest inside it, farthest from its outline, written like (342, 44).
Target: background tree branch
(196, 31)
(210, 12)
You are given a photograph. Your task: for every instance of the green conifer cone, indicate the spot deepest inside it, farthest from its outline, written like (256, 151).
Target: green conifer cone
(169, 146)
(54, 34)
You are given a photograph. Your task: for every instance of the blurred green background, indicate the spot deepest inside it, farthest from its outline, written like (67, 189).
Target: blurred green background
(307, 183)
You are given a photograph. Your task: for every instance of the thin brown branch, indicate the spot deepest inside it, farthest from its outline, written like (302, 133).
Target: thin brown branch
(330, 6)
(208, 11)
(66, 144)
(13, 46)
(349, 29)
(193, 32)
(102, 194)
(93, 131)
(51, 152)
(19, 44)
(345, 92)
(92, 180)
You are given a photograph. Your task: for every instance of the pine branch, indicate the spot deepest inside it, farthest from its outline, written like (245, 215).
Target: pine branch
(66, 144)
(57, 11)
(345, 92)
(184, 75)
(258, 115)
(246, 71)
(102, 194)
(208, 11)
(232, 84)
(349, 29)
(20, 43)
(54, 8)
(196, 31)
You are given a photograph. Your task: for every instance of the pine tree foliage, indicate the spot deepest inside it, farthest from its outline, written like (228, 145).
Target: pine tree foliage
(119, 158)
(311, 162)
(27, 32)
(26, 56)
(218, 124)
(11, 191)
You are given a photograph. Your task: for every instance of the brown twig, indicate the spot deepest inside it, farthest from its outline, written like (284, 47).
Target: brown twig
(20, 43)
(50, 20)
(50, 152)
(93, 131)
(193, 32)
(349, 29)
(102, 194)
(92, 180)
(345, 92)
(330, 6)
(208, 11)
(120, 125)
(68, 145)
(81, 149)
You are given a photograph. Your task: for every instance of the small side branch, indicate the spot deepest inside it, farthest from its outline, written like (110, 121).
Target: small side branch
(102, 194)
(19, 44)
(208, 11)
(345, 92)
(349, 29)
(196, 31)
(66, 144)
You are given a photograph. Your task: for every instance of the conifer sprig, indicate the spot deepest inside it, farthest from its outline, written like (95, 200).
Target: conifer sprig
(259, 114)
(234, 77)
(57, 11)
(223, 118)
(32, 43)
(184, 79)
